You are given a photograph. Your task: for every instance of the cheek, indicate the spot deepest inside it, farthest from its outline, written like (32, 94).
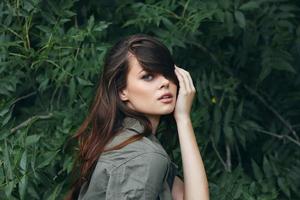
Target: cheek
(140, 92)
(142, 99)
(173, 88)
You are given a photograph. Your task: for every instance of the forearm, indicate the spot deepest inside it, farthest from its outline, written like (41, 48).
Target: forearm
(195, 180)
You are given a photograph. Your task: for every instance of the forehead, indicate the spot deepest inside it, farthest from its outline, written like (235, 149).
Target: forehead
(134, 66)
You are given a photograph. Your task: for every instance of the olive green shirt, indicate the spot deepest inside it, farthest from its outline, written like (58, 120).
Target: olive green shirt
(140, 170)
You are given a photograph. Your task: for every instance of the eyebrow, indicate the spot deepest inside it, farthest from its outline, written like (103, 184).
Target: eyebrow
(141, 71)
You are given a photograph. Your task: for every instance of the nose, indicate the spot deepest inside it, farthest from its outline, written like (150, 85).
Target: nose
(164, 82)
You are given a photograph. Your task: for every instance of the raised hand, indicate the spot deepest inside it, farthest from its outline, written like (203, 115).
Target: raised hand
(185, 95)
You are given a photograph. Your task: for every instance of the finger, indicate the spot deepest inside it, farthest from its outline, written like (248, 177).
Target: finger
(180, 78)
(186, 79)
(190, 80)
(179, 68)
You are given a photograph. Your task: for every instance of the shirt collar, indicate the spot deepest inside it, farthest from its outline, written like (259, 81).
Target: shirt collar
(133, 124)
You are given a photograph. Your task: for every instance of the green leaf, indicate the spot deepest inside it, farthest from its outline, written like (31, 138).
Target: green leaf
(229, 22)
(101, 26)
(247, 124)
(228, 114)
(225, 4)
(32, 139)
(90, 23)
(284, 186)
(68, 164)
(23, 186)
(251, 5)
(256, 170)
(43, 84)
(284, 65)
(240, 136)
(228, 131)
(8, 171)
(199, 89)
(23, 162)
(72, 87)
(4, 111)
(55, 192)
(240, 18)
(49, 156)
(217, 123)
(265, 72)
(84, 82)
(267, 168)
(240, 108)
(6, 119)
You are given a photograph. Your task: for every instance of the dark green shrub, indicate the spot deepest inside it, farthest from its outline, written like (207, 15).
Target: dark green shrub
(243, 57)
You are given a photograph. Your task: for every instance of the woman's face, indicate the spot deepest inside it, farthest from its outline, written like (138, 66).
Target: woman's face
(144, 89)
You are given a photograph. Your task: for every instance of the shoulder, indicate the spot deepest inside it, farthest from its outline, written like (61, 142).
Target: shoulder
(143, 154)
(144, 167)
(148, 160)
(148, 169)
(144, 147)
(140, 177)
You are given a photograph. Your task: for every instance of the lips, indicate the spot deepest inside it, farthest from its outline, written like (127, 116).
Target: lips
(165, 96)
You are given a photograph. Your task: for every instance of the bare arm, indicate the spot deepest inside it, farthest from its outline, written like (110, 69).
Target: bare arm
(177, 189)
(195, 180)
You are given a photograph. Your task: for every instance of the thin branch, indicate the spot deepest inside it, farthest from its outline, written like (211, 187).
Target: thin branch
(173, 14)
(23, 97)
(238, 153)
(260, 98)
(184, 8)
(296, 125)
(12, 31)
(228, 158)
(273, 111)
(278, 136)
(218, 154)
(29, 121)
(211, 55)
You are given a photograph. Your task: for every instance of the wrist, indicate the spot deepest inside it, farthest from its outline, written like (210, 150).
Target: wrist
(182, 117)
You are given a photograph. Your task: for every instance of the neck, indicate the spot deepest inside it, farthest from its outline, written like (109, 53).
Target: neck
(154, 122)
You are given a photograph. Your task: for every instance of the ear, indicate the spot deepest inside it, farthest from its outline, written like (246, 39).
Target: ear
(123, 95)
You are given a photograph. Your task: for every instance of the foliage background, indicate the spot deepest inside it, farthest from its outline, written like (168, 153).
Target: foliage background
(243, 56)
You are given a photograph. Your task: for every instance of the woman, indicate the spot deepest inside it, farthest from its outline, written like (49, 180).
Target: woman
(120, 157)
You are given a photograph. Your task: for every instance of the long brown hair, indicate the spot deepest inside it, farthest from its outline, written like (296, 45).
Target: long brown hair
(107, 111)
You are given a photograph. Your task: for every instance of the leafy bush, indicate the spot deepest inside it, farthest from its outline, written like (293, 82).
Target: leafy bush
(243, 57)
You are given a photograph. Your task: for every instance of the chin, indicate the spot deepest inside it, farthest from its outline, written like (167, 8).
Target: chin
(160, 112)
(166, 112)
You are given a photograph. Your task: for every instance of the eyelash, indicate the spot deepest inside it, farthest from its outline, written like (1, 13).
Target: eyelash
(147, 75)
